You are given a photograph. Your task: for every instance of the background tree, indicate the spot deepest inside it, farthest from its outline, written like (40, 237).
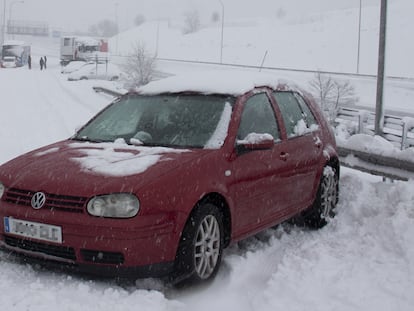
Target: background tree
(139, 67)
(105, 28)
(191, 21)
(215, 17)
(139, 20)
(330, 94)
(281, 13)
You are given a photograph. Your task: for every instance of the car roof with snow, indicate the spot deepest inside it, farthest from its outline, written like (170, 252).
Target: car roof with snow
(217, 82)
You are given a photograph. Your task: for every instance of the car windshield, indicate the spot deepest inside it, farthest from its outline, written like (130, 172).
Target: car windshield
(177, 120)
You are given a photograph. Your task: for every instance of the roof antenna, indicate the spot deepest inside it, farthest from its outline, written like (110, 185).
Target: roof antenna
(263, 60)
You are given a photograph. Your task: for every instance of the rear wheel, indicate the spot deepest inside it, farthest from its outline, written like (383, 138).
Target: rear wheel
(324, 205)
(201, 245)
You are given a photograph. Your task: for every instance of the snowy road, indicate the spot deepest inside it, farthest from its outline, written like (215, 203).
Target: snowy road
(363, 260)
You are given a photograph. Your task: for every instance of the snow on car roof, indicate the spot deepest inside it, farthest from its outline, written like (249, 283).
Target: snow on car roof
(215, 82)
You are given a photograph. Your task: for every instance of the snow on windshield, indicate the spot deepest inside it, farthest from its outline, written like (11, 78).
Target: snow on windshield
(220, 134)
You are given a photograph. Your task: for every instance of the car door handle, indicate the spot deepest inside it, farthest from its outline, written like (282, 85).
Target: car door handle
(317, 142)
(284, 156)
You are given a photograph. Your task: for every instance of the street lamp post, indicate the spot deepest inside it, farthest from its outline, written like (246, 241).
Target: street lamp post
(3, 28)
(222, 32)
(379, 108)
(359, 34)
(117, 27)
(10, 10)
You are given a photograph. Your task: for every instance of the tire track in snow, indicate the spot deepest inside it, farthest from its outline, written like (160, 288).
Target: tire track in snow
(61, 100)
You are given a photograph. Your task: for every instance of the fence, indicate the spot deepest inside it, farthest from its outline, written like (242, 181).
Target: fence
(398, 130)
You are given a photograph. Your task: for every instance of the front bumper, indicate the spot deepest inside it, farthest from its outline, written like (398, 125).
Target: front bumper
(143, 246)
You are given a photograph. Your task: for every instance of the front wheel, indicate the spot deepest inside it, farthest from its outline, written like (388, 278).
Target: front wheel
(201, 245)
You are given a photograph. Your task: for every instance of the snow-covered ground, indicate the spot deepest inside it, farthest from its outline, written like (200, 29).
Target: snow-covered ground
(363, 260)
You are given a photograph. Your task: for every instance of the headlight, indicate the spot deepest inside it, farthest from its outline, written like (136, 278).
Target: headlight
(119, 205)
(2, 188)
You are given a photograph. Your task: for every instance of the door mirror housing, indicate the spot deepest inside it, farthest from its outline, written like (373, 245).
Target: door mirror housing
(254, 141)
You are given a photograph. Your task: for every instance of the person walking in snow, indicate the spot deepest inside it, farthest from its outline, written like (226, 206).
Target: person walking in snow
(42, 63)
(29, 62)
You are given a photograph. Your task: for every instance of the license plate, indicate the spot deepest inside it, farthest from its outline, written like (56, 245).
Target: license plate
(33, 230)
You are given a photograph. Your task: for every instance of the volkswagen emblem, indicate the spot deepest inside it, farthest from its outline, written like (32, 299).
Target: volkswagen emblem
(38, 200)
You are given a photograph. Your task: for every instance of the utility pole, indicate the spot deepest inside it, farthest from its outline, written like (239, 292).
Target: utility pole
(222, 31)
(379, 110)
(3, 28)
(359, 33)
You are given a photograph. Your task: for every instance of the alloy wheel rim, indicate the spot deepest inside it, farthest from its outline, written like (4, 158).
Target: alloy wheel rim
(329, 195)
(207, 247)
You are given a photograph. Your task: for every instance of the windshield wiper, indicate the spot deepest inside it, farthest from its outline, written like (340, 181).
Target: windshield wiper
(85, 138)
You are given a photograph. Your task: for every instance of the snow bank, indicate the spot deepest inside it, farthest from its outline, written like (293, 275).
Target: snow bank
(363, 260)
(375, 145)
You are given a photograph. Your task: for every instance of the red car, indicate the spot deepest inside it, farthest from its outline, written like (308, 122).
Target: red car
(160, 181)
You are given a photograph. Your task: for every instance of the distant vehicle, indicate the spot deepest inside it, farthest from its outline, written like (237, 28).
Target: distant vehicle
(161, 181)
(8, 62)
(17, 50)
(105, 71)
(73, 66)
(82, 48)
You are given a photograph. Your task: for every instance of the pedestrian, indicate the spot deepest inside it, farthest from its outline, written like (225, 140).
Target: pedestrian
(42, 63)
(29, 62)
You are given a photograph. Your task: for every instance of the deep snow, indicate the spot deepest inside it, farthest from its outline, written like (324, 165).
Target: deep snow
(362, 260)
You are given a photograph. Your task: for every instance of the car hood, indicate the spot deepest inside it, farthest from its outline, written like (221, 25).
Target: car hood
(84, 168)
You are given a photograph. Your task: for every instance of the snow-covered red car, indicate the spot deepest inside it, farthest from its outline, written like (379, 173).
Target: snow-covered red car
(162, 180)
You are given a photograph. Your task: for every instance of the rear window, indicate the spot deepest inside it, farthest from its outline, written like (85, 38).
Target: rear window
(297, 116)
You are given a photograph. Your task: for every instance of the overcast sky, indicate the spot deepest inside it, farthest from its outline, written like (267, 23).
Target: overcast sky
(70, 15)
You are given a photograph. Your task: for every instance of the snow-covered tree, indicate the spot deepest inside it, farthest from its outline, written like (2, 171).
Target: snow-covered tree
(139, 67)
(191, 21)
(330, 94)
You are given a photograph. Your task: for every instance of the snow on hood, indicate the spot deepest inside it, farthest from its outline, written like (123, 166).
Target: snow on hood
(214, 82)
(118, 159)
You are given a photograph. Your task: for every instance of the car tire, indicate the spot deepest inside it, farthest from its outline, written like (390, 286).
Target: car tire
(83, 78)
(201, 246)
(323, 208)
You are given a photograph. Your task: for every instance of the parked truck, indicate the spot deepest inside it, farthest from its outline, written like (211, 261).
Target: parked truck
(14, 53)
(82, 48)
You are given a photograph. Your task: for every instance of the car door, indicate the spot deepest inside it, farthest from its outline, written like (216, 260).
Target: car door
(303, 149)
(257, 175)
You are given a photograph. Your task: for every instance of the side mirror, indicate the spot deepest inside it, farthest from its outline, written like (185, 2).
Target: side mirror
(254, 141)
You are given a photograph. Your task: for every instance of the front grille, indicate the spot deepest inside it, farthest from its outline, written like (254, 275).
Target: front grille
(52, 250)
(102, 257)
(53, 201)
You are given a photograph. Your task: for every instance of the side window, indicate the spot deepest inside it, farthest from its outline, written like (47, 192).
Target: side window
(258, 117)
(296, 115)
(307, 113)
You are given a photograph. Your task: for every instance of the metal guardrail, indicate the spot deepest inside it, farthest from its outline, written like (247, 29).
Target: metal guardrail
(393, 168)
(398, 130)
